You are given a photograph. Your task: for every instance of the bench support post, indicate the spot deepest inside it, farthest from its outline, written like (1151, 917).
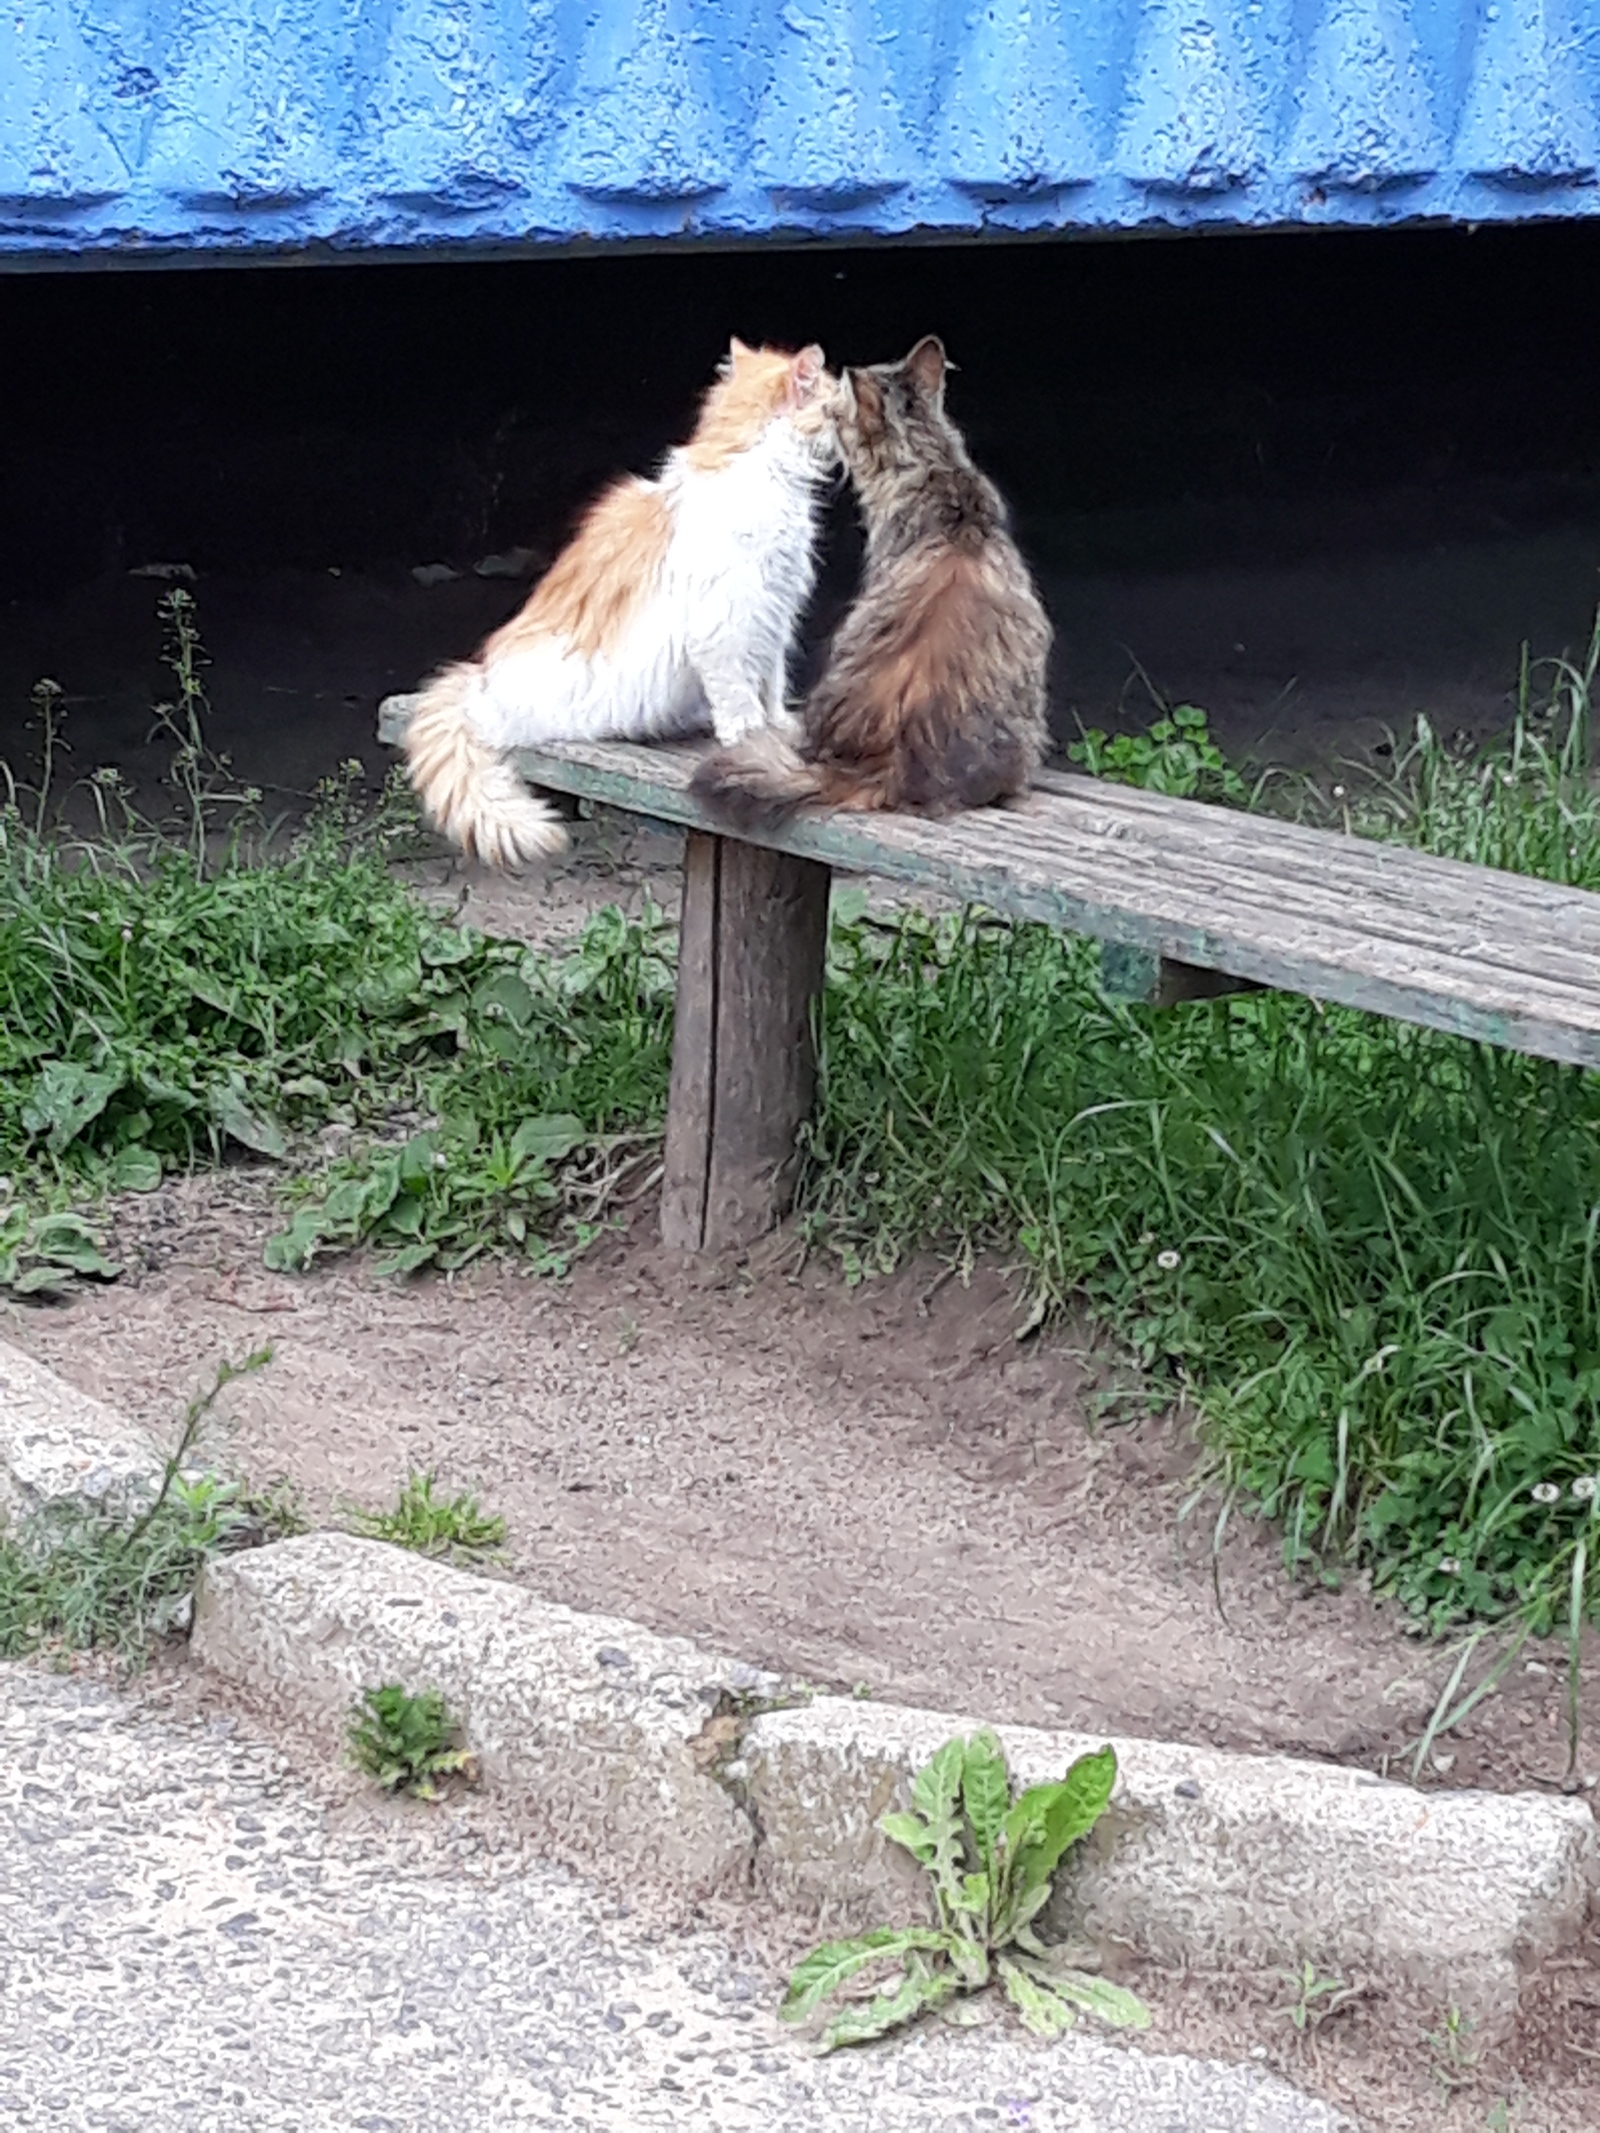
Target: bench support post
(1133, 977)
(750, 963)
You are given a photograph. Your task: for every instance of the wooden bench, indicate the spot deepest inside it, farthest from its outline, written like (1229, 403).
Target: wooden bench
(1188, 901)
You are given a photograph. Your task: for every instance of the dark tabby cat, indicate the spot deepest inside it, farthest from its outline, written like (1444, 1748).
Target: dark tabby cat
(934, 694)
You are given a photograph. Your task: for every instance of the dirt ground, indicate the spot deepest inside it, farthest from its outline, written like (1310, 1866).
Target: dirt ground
(881, 1489)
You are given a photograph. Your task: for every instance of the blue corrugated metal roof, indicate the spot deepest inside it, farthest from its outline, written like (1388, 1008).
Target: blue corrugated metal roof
(249, 126)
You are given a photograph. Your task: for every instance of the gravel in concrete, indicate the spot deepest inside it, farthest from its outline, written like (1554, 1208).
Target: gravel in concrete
(191, 1939)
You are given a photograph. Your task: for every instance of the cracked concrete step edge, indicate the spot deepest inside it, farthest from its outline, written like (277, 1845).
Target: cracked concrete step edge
(603, 1730)
(673, 1764)
(59, 1445)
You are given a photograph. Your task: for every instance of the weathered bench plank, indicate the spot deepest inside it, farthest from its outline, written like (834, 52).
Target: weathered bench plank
(1344, 919)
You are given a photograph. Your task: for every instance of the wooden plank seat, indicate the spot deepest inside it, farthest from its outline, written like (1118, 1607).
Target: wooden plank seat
(1187, 901)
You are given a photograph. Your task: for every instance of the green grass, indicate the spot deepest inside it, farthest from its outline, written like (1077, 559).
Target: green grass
(433, 1525)
(175, 994)
(1368, 1254)
(82, 1577)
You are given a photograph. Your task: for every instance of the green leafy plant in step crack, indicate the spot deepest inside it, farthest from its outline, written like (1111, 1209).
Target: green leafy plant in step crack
(991, 1862)
(407, 1741)
(433, 1525)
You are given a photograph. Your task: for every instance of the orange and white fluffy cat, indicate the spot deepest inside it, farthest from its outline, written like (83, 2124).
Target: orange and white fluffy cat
(671, 611)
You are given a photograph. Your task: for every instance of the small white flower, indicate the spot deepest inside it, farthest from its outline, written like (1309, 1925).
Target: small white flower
(1545, 1492)
(1338, 792)
(127, 933)
(1449, 1565)
(439, 1163)
(1149, 1237)
(1167, 1261)
(1586, 1488)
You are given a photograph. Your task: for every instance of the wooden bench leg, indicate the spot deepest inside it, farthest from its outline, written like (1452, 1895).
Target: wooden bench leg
(1132, 976)
(750, 963)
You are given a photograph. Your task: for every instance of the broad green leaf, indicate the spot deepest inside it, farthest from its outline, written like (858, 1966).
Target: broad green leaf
(985, 1791)
(975, 1901)
(832, 1965)
(912, 1832)
(406, 1260)
(936, 1790)
(66, 1098)
(1038, 2006)
(1070, 1811)
(135, 1170)
(213, 993)
(404, 1218)
(53, 1232)
(504, 993)
(292, 1249)
(936, 1785)
(155, 1089)
(441, 950)
(82, 1259)
(1025, 1820)
(307, 1085)
(889, 2010)
(416, 1158)
(40, 1281)
(546, 1140)
(1109, 2003)
(252, 1129)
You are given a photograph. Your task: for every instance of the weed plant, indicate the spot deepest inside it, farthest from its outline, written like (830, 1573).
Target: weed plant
(427, 1524)
(81, 1577)
(406, 1742)
(991, 1864)
(172, 993)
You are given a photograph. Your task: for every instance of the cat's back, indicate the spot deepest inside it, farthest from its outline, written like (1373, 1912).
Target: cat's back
(947, 566)
(612, 562)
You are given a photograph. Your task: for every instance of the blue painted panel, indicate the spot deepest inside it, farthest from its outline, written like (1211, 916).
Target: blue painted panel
(134, 128)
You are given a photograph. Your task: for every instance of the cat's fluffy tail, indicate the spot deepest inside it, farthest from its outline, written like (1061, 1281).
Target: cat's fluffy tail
(762, 780)
(469, 789)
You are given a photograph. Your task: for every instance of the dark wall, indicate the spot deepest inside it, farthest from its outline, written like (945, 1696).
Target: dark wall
(1231, 438)
(363, 414)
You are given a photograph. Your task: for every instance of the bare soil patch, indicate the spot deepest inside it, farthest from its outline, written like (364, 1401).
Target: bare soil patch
(881, 1488)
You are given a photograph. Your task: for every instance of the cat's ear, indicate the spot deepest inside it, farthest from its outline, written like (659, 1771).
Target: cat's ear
(805, 373)
(736, 349)
(925, 367)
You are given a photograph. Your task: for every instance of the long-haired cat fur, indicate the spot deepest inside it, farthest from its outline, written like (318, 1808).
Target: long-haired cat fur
(933, 697)
(672, 609)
